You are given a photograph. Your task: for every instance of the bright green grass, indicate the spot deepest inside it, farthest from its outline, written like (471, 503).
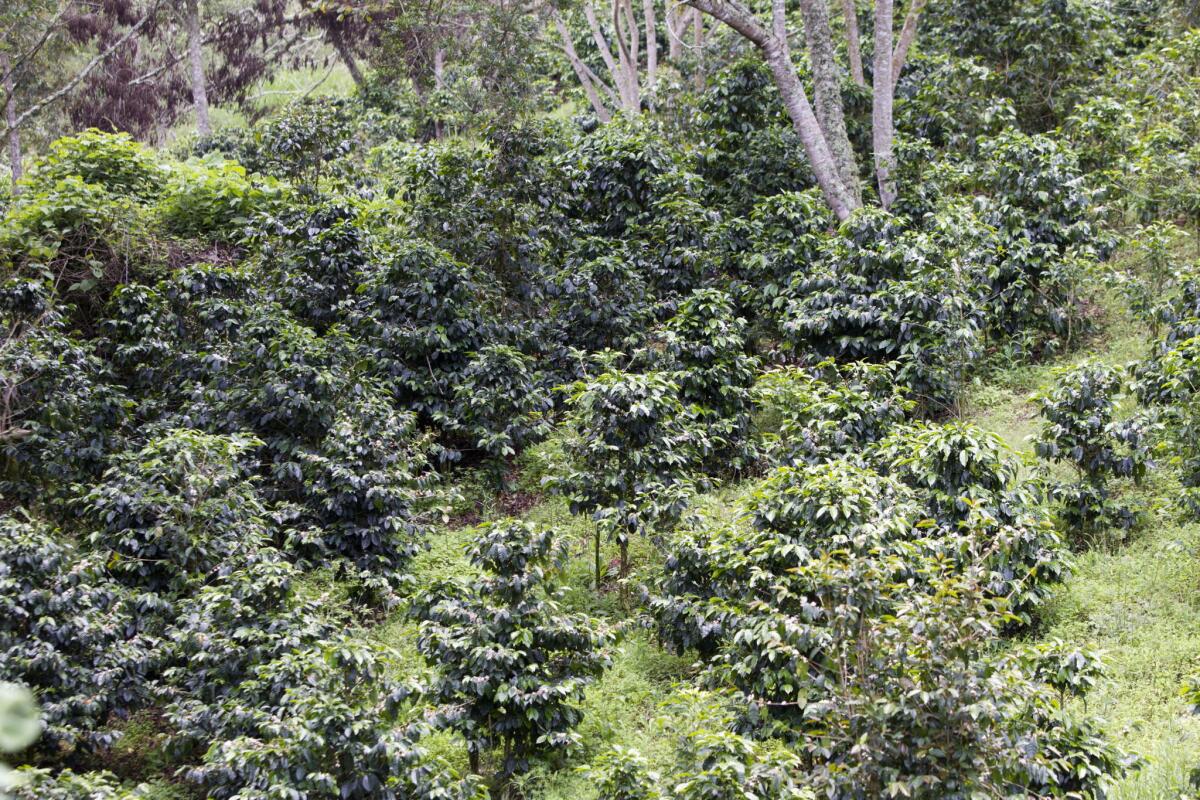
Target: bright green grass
(1140, 606)
(1137, 603)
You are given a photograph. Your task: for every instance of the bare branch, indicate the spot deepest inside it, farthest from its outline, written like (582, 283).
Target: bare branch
(96, 61)
(907, 34)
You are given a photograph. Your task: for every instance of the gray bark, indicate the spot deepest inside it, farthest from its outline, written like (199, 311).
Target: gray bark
(853, 42)
(343, 50)
(827, 90)
(195, 45)
(581, 71)
(651, 23)
(881, 106)
(737, 16)
(10, 119)
(675, 24)
(907, 34)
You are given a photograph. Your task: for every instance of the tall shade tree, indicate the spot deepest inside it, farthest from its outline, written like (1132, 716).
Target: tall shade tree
(822, 130)
(629, 48)
(36, 38)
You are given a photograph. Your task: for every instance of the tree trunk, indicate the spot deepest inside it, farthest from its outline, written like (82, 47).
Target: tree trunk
(596, 546)
(737, 16)
(439, 83)
(651, 23)
(343, 50)
(625, 32)
(907, 34)
(195, 45)
(675, 23)
(881, 106)
(827, 91)
(10, 120)
(624, 557)
(581, 70)
(853, 42)
(698, 45)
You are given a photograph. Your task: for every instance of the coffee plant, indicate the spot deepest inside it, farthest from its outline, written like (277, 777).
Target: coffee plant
(1081, 429)
(513, 666)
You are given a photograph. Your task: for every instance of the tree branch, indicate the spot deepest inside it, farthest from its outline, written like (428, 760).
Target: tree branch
(87, 70)
(907, 34)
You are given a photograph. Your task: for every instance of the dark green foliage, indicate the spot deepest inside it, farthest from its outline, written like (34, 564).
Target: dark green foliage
(705, 352)
(812, 415)
(85, 643)
(618, 173)
(61, 412)
(500, 402)
(634, 445)
(1041, 211)
(601, 300)
(320, 254)
(512, 665)
(320, 723)
(969, 481)
(749, 149)
(881, 291)
(170, 514)
(422, 316)
(1081, 429)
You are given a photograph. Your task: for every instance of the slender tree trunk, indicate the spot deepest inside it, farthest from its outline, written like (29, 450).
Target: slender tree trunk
(698, 46)
(675, 23)
(439, 83)
(651, 22)
(881, 107)
(625, 32)
(596, 547)
(581, 70)
(827, 91)
(907, 34)
(624, 557)
(343, 50)
(10, 120)
(853, 42)
(195, 45)
(776, 52)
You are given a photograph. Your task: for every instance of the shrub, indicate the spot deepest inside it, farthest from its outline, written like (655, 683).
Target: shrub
(321, 723)
(169, 515)
(213, 199)
(112, 161)
(633, 445)
(500, 402)
(600, 299)
(512, 666)
(817, 414)
(705, 350)
(77, 237)
(623, 774)
(421, 315)
(1080, 430)
(619, 170)
(86, 644)
(318, 256)
(1042, 211)
(62, 413)
(884, 292)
